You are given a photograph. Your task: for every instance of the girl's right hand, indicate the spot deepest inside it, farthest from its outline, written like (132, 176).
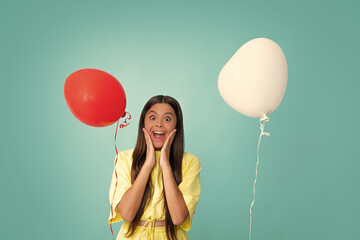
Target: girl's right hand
(150, 160)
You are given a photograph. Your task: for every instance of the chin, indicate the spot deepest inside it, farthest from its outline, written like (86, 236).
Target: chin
(158, 147)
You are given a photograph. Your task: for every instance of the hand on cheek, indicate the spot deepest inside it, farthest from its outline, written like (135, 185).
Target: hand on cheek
(165, 150)
(150, 151)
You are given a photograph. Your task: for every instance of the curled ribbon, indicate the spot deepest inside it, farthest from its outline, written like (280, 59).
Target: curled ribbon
(125, 123)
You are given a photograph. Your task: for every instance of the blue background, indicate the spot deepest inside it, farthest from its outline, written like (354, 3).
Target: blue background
(56, 171)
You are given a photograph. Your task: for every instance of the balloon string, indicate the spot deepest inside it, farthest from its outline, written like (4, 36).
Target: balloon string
(124, 124)
(264, 118)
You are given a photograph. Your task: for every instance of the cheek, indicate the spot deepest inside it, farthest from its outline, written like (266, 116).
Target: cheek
(147, 125)
(171, 126)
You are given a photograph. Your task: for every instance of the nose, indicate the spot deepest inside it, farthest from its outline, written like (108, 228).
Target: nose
(159, 123)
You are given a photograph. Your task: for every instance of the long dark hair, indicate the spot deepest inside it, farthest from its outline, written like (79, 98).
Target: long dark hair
(175, 158)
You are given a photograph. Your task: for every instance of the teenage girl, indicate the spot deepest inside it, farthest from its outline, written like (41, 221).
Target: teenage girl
(158, 183)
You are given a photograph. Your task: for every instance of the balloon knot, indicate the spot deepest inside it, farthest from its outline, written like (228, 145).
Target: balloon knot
(264, 118)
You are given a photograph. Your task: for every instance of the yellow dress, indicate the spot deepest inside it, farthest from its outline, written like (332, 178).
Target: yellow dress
(154, 211)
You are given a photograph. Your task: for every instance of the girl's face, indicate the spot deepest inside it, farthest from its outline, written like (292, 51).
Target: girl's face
(160, 120)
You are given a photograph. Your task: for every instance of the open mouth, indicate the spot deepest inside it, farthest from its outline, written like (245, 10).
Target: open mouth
(159, 135)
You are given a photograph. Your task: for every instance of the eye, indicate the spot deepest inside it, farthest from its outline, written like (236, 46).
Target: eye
(168, 119)
(152, 117)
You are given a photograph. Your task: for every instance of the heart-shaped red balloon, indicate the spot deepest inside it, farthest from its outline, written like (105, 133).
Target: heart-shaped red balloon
(95, 97)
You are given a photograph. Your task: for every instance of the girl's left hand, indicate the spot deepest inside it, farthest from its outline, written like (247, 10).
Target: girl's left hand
(165, 150)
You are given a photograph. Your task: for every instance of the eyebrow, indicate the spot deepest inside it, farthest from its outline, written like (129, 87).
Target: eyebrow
(158, 114)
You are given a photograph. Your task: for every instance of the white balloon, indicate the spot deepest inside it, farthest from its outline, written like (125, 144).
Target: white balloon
(253, 81)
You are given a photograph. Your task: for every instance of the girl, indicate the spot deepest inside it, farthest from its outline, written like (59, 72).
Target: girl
(158, 183)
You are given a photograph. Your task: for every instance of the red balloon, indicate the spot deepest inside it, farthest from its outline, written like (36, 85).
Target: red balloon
(95, 97)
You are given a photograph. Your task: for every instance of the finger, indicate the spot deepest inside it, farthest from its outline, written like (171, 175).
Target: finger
(147, 137)
(169, 139)
(172, 135)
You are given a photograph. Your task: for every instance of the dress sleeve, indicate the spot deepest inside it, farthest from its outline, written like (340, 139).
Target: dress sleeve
(190, 188)
(119, 187)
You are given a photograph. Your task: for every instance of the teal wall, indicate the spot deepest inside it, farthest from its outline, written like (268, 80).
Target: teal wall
(55, 171)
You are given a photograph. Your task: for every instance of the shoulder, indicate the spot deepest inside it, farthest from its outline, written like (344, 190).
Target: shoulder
(190, 160)
(126, 156)
(190, 157)
(126, 153)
